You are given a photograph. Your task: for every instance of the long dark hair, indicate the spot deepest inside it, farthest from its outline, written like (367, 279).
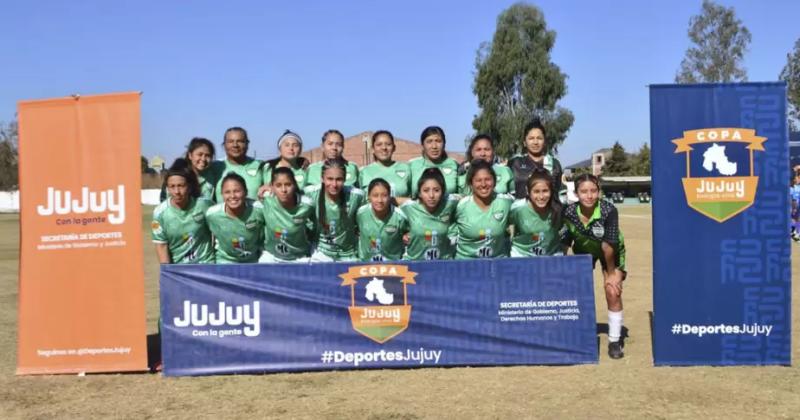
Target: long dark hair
(329, 164)
(477, 165)
(428, 174)
(288, 173)
(183, 168)
(198, 142)
(341, 136)
(233, 176)
(535, 123)
(464, 167)
(554, 204)
(431, 130)
(375, 136)
(580, 179)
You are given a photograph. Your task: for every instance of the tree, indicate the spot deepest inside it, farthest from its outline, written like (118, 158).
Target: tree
(516, 82)
(720, 42)
(618, 163)
(641, 162)
(9, 158)
(791, 75)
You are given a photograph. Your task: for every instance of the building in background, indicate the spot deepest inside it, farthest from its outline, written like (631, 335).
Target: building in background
(357, 150)
(157, 163)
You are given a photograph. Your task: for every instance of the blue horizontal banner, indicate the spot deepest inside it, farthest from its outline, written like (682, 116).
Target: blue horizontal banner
(251, 318)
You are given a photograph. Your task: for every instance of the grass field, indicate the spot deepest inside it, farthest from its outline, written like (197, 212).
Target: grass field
(627, 388)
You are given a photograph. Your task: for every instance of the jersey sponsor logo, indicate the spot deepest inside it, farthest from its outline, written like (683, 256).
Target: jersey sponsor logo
(384, 289)
(445, 218)
(598, 231)
(239, 245)
(107, 201)
(298, 220)
(390, 229)
(251, 225)
(725, 184)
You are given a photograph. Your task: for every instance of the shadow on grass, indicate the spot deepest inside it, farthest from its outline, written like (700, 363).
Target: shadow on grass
(154, 352)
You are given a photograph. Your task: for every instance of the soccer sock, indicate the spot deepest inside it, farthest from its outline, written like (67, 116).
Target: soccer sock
(614, 326)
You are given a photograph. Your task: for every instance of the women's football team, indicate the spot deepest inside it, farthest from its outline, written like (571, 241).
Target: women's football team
(241, 210)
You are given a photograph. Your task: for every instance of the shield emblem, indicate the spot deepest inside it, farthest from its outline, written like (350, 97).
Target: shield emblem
(385, 314)
(721, 187)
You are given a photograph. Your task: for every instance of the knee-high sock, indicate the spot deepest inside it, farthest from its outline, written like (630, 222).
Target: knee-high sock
(614, 326)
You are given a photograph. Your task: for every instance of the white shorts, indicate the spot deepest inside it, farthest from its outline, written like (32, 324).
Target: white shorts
(318, 256)
(267, 258)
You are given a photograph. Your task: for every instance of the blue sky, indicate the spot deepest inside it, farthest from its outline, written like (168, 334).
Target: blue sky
(206, 65)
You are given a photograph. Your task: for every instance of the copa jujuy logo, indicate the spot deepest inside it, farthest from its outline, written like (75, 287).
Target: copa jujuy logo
(720, 181)
(379, 307)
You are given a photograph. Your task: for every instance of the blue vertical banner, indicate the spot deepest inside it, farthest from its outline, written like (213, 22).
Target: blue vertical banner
(721, 247)
(252, 318)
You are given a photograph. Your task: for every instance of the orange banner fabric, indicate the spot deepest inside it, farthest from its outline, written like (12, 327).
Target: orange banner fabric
(81, 281)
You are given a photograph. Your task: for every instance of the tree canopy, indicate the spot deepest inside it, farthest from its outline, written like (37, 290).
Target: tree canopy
(719, 43)
(515, 81)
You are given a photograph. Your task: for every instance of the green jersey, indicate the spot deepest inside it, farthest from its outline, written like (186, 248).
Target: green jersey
(299, 176)
(533, 235)
(314, 176)
(250, 171)
(237, 239)
(287, 232)
(504, 184)
(482, 233)
(449, 169)
(380, 240)
(398, 175)
(184, 231)
(336, 235)
(429, 233)
(588, 238)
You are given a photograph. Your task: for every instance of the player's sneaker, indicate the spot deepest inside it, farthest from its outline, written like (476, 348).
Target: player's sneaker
(795, 237)
(615, 350)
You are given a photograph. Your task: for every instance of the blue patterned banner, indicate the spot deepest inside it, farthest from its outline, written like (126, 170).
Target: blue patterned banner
(721, 248)
(294, 317)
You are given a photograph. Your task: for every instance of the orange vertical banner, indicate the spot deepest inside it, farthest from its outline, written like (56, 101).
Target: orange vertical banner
(81, 287)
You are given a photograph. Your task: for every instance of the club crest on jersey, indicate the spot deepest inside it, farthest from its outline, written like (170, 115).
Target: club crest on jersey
(401, 174)
(498, 215)
(598, 231)
(251, 225)
(447, 171)
(445, 218)
(252, 172)
(155, 226)
(299, 178)
(384, 288)
(198, 217)
(725, 184)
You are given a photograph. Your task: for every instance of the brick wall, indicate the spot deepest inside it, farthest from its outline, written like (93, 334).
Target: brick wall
(358, 151)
